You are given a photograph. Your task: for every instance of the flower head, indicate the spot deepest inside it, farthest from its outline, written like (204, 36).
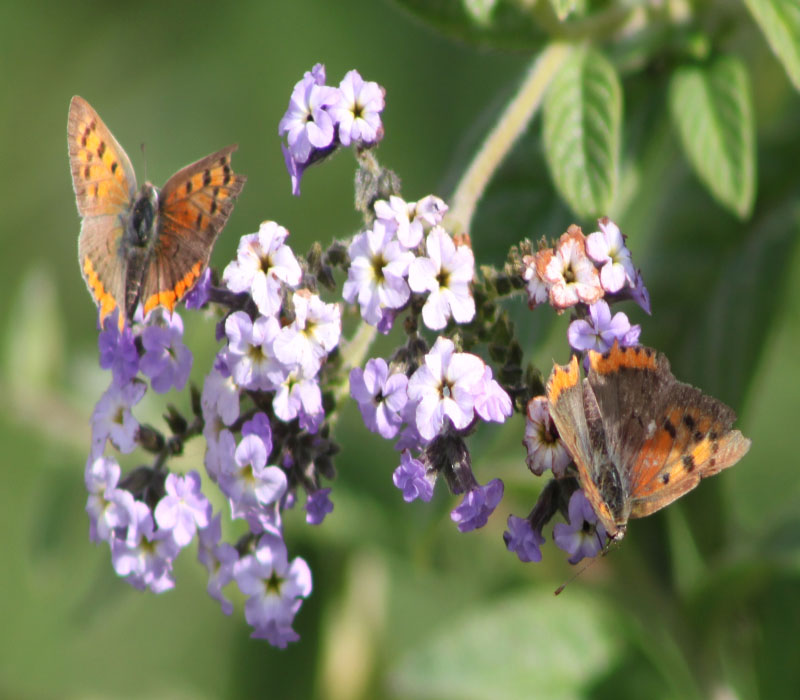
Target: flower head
(118, 352)
(606, 248)
(357, 112)
(112, 418)
(570, 275)
(410, 477)
(314, 332)
(318, 506)
(381, 396)
(478, 504)
(250, 350)
(601, 329)
(523, 540)
(183, 508)
(584, 536)
(545, 450)
(166, 360)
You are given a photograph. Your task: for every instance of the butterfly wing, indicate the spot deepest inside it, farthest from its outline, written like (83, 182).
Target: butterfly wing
(574, 412)
(105, 185)
(194, 206)
(664, 435)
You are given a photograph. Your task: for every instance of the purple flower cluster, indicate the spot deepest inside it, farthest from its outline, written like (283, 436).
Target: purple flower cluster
(320, 118)
(406, 251)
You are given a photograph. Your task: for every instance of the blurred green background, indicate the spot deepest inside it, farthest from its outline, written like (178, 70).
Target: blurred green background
(701, 600)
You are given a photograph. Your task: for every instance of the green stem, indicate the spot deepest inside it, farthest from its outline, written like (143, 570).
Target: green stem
(498, 143)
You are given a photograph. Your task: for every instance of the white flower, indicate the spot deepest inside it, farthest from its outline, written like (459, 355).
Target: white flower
(314, 332)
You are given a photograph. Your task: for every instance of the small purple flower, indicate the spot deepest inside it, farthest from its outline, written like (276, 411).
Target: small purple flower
(318, 505)
(298, 395)
(477, 505)
(584, 536)
(220, 448)
(307, 123)
(108, 507)
(410, 478)
(145, 557)
(377, 273)
(275, 588)
(314, 332)
(523, 540)
(357, 113)
(250, 350)
(259, 425)
(220, 397)
(381, 396)
(446, 274)
(183, 508)
(444, 387)
(198, 296)
(248, 482)
(492, 403)
(640, 294)
(600, 331)
(166, 360)
(220, 560)
(294, 168)
(118, 352)
(112, 418)
(545, 450)
(607, 249)
(264, 263)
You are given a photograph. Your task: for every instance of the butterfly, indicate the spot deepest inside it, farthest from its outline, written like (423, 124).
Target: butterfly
(640, 439)
(142, 244)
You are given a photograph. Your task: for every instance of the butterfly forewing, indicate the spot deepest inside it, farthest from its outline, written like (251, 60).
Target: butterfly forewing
(194, 206)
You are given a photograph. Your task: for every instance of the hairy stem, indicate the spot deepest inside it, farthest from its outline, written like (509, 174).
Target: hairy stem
(510, 126)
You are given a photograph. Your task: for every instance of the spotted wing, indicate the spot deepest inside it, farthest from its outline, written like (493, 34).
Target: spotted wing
(194, 206)
(665, 435)
(105, 185)
(581, 432)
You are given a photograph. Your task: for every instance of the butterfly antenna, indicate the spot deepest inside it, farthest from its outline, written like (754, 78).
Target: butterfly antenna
(605, 550)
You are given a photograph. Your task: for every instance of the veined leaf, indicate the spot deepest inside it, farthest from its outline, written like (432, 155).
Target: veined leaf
(713, 110)
(582, 124)
(780, 22)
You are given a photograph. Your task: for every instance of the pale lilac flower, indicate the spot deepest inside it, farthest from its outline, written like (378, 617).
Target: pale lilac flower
(275, 588)
(395, 217)
(314, 332)
(492, 403)
(307, 123)
(183, 508)
(294, 168)
(377, 272)
(544, 449)
(446, 274)
(248, 482)
(584, 536)
(118, 352)
(358, 110)
(220, 447)
(318, 505)
(601, 329)
(536, 288)
(145, 558)
(166, 360)
(570, 275)
(444, 387)
(112, 418)
(264, 262)
(410, 478)
(298, 395)
(108, 507)
(606, 248)
(219, 559)
(220, 396)
(250, 350)
(429, 211)
(640, 294)
(523, 540)
(198, 296)
(259, 425)
(381, 396)
(477, 505)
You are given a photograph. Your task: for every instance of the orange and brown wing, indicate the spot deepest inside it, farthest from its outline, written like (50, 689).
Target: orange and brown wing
(194, 206)
(583, 439)
(105, 185)
(664, 435)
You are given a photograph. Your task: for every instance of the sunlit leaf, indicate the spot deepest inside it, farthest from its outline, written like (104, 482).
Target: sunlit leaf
(780, 22)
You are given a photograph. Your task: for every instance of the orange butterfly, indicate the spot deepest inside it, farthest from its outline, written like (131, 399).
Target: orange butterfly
(639, 438)
(141, 244)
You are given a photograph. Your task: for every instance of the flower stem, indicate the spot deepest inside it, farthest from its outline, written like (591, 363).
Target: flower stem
(353, 354)
(510, 126)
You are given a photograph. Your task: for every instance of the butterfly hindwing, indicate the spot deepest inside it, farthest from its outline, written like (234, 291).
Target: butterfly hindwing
(194, 206)
(105, 185)
(574, 412)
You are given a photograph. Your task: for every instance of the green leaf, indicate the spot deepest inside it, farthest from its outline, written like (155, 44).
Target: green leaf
(556, 647)
(712, 108)
(564, 8)
(780, 22)
(582, 124)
